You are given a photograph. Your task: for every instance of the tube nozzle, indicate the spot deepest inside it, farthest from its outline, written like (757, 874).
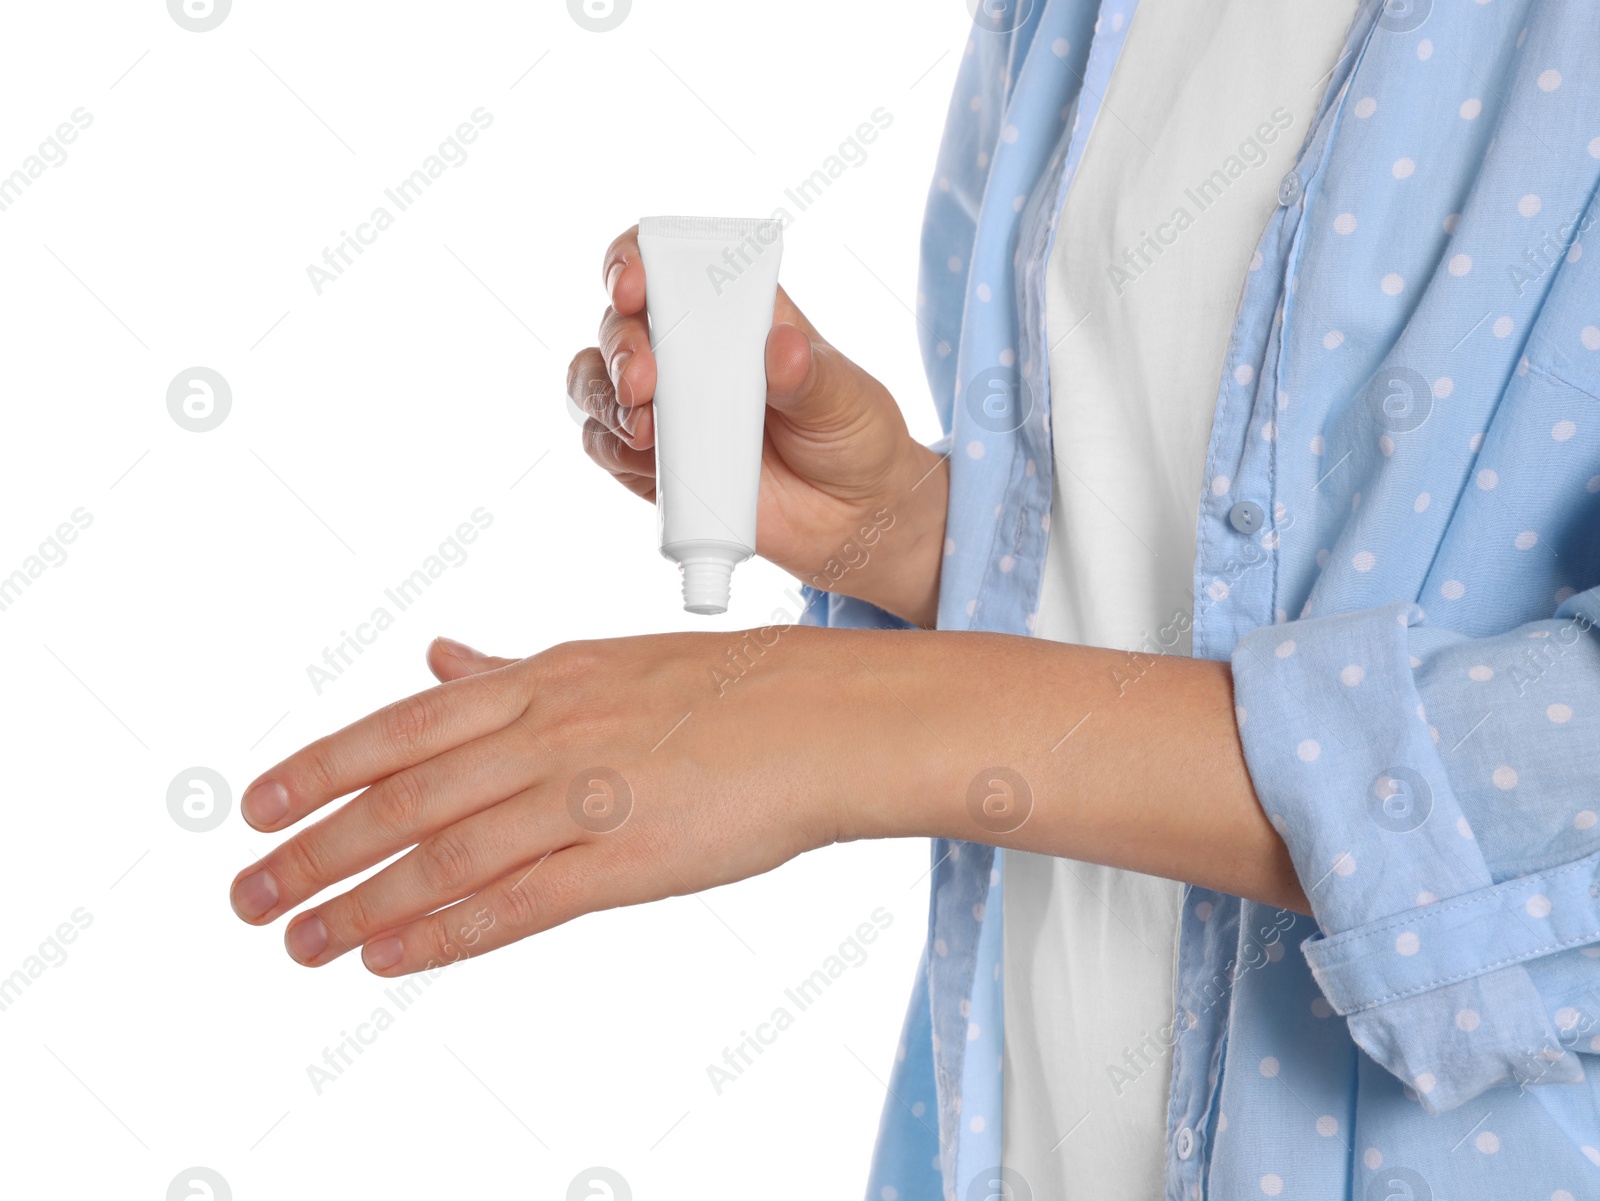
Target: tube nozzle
(707, 585)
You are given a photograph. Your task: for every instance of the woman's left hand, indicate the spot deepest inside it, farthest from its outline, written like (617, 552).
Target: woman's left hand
(593, 775)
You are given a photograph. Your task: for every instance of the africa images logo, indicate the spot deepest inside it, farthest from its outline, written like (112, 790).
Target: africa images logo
(199, 16)
(599, 16)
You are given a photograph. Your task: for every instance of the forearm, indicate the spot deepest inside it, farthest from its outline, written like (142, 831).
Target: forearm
(1127, 760)
(645, 767)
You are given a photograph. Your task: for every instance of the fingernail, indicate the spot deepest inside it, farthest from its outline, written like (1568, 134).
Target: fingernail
(265, 804)
(612, 275)
(384, 953)
(459, 649)
(307, 940)
(254, 895)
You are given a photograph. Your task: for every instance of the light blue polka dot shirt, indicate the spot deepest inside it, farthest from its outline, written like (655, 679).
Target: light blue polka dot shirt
(1412, 398)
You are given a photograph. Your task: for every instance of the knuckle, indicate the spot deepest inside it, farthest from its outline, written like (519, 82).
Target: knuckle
(573, 660)
(396, 806)
(638, 485)
(619, 333)
(584, 373)
(305, 863)
(600, 443)
(575, 370)
(436, 946)
(320, 770)
(354, 915)
(445, 863)
(600, 402)
(409, 723)
(614, 254)
(576, 702)
(521, 906)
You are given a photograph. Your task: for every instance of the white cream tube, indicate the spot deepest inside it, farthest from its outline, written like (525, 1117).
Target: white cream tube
(710, 284)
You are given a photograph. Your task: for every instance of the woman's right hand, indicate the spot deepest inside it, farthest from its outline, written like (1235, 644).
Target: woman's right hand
(850, 502)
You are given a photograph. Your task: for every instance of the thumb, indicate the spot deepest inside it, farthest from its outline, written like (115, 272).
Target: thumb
(810, 382)
(452, 660)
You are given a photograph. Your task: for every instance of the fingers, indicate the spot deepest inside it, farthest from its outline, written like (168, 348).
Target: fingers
(640, 485)
(630, 367)
(529, 899)
(631, 370)
(452, 863)
(628, 456)
(608, 450)
(452, 660)
(614, 383)
(595, 391)
(630, 364)
(393, 814)
(591, 390)
(397, 736)
(623, 272)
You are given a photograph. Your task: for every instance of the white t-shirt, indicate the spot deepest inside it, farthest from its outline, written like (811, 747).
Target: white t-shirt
(1206, 111)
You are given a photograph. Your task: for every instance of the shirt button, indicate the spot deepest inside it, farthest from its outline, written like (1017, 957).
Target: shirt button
(1246, 517)
(1185, 1143)
(1289, 189)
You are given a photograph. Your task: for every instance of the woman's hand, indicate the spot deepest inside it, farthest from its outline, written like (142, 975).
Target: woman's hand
(593, 775)
(527, 792)
(849, 501)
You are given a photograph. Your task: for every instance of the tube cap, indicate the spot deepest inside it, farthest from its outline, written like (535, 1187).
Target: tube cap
(707, 585)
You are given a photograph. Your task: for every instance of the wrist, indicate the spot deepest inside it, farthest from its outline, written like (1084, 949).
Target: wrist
(895, 554)
(938, 712)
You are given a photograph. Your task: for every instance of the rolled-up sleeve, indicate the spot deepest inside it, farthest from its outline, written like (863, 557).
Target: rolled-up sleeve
(1438, 794)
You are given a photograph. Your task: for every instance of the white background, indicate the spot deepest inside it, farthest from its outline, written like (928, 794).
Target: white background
(368, 422)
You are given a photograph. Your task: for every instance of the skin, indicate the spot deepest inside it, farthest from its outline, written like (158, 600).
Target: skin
(527, 792)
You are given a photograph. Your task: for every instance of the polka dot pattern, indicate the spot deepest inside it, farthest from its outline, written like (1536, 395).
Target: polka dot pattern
(1460, 495)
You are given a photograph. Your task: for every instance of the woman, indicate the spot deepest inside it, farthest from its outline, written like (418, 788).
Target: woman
(1280, 696)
